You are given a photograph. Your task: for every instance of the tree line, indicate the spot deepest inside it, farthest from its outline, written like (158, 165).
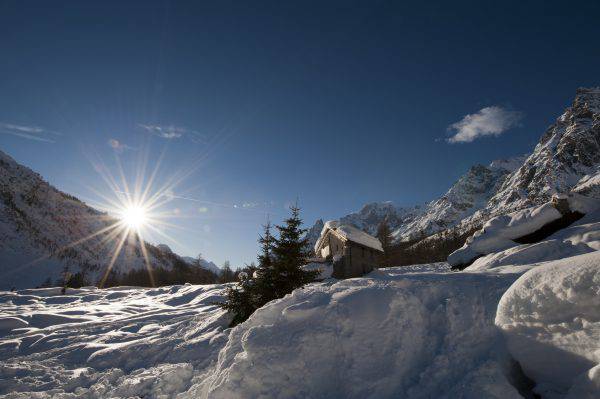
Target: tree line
(181, 272)
(423, 248)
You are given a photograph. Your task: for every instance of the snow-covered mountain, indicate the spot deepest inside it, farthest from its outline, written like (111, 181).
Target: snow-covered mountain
(42, 230)
(371, 215)
(567, 155)
(203, 263)
(313, 234)
(567, 158)
(468, 195)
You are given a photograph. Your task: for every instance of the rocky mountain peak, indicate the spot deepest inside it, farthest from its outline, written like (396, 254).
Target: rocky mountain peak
(568, 151)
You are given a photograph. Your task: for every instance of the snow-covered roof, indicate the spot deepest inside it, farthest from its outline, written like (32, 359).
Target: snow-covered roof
(349, 233)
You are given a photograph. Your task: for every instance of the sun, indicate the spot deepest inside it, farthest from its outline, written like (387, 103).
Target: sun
(134, 216)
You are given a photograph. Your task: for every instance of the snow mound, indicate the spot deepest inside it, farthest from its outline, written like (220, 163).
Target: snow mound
(404, 334)
(117, 342)
(551, 318)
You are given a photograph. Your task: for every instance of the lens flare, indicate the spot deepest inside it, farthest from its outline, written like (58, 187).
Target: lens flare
(134, 216)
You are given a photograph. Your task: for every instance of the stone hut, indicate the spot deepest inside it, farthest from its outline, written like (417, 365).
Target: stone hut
(351, 251)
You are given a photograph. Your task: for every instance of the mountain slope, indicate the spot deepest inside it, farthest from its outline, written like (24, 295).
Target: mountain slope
(567, 158)
(203, 263)
(568, 153)
(468, 195)
(43, 230)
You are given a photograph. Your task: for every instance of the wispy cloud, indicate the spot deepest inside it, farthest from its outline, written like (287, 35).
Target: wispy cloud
(172, 132)
(118, 146)
(488, 121)
(29, 132)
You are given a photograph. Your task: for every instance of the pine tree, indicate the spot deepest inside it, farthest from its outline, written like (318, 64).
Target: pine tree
(290, 254)
(384, 235)
(240, 301)
(266, 275)
(278, 273)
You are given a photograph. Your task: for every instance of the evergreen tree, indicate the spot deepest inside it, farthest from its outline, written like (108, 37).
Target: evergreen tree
(278, 273)
(240, 300)
(384, 234)
(290, 254)
(266, 275)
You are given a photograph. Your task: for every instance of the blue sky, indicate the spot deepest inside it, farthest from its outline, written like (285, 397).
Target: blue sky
(334, 103)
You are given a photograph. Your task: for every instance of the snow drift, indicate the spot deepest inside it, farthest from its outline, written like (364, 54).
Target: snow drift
(551, 318)
(503, 232)
(118, 342)
(394, 334)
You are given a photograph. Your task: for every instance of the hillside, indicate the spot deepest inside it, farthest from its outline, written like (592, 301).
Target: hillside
(43, 230)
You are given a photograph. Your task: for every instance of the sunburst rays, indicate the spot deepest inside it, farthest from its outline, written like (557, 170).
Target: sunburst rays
(138, 206)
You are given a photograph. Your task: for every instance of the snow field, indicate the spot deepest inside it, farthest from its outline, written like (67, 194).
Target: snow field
(107, 343)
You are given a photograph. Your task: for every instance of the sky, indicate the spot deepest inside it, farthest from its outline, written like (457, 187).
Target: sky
(252, 106)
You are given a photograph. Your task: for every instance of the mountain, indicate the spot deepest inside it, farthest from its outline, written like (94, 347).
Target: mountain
(567, 155)
(313, 234)
(567, 158)
(468, 195)
(371, 215)
(203, 263)
(43, 231)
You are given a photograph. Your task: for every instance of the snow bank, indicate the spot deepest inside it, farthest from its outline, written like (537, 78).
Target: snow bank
(118, 342)
(580, 238)
(410, 335)
(499, 233)
(551, 318)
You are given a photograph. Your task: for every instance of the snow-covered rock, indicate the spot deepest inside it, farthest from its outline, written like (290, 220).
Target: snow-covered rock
(499, 234)
(325, 269)
(551, 319)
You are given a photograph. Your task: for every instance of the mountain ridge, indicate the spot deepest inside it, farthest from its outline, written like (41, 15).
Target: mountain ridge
(567, 157)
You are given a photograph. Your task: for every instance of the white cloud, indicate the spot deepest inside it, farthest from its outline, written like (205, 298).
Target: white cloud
(172, 132)
(28, 132)
(488, 121)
